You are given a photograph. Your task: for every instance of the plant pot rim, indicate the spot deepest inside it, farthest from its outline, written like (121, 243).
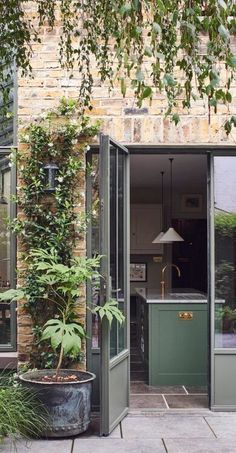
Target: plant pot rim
(29, 377)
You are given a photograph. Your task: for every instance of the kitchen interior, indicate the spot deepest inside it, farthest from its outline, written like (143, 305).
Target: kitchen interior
(168, 281)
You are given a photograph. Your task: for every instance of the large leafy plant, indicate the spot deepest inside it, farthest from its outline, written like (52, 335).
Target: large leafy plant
(63, 285)
(56, 221)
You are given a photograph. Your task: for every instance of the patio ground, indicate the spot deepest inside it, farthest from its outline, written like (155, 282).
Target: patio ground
(157, 432)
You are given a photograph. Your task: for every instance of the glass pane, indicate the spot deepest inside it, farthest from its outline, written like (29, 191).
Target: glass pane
(7, 121)
(225, 251)
(121, 251)
(117, 269)
(113, 245)
(95, 242)
(5, 314)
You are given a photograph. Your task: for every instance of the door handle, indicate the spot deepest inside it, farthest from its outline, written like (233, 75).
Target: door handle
(115, 290)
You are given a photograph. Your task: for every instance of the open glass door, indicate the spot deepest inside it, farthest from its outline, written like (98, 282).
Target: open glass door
(223, 282)
(114, 248)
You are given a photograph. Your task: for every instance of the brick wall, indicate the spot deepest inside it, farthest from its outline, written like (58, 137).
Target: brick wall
(120, 117)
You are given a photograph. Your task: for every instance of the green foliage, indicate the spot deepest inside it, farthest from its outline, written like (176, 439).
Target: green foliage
(225, 224)
(62, 287)
(188, 47)
(66, 335)
(21, 414)
(48, 221)
(110, 311)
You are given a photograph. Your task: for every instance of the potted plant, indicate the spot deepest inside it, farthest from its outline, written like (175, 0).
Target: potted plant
(65, 393)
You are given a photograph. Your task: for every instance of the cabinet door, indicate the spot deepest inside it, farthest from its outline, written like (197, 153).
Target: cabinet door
(146, 223)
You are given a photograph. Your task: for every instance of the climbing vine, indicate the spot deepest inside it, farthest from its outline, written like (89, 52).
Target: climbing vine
(49, 220)
(183, 49)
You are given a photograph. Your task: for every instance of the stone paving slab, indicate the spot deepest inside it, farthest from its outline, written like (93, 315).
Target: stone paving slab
(37, 446)
(223, 425)
(109, 445)
(200, 445)
(178, 426)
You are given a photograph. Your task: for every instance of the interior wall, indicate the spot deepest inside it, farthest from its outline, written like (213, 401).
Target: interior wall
(152, 195)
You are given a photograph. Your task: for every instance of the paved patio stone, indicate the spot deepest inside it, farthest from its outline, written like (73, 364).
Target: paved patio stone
(223, 425)
(200, 446)
(109, 445)
(165, 426)
(37, 446)
(149, 401)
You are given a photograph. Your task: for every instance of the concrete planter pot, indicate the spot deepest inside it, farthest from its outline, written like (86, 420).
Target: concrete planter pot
(67, 403)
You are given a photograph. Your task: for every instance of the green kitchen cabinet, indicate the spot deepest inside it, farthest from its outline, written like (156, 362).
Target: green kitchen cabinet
(178, 343)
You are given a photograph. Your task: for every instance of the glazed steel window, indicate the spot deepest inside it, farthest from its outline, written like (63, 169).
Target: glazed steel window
(7, 252)
(225, 251)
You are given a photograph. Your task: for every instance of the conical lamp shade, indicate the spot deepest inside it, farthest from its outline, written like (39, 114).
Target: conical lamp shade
(157, 240)
(171, 236)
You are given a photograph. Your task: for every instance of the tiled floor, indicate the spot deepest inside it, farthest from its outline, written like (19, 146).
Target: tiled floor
(167, 397)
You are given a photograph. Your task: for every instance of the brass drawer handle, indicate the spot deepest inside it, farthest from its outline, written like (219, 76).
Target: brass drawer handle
(186, 315)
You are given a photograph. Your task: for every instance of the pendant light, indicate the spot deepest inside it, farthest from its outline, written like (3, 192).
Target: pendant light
(171, 235)
(160, 235)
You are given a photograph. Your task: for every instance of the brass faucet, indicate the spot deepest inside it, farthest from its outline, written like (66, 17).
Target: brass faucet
(163, 277)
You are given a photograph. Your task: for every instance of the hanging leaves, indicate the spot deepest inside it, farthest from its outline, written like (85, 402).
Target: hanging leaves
(145, 45)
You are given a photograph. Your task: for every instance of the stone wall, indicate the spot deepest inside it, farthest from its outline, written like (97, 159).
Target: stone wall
(120, 117)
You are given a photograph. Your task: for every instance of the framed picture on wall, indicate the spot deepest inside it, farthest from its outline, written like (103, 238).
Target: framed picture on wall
(191, 203)
(138, 272)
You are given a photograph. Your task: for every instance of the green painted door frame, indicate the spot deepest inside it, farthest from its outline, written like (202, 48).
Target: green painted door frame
(108, 353)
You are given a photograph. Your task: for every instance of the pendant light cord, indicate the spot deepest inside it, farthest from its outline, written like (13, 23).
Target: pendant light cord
(162, 198)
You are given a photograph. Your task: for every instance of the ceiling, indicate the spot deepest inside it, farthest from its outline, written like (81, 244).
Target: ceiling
(189, 172)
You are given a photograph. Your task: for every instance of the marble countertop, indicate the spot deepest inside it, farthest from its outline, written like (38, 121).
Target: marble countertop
(187, 296)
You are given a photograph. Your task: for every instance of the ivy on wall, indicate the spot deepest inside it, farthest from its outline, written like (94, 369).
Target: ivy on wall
(50, 220)
(182, 49)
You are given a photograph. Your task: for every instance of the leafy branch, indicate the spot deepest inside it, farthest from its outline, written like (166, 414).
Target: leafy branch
(183, 50)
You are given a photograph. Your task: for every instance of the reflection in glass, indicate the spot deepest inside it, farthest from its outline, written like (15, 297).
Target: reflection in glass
(5, 327)
(113, 245)
(95, 243)
(117, 245)
(225, 251)
(121, 247)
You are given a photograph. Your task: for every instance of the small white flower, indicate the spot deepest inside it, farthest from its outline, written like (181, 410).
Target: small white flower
(26, 137)
(74, 141)
(60, 179)
(50, 145)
